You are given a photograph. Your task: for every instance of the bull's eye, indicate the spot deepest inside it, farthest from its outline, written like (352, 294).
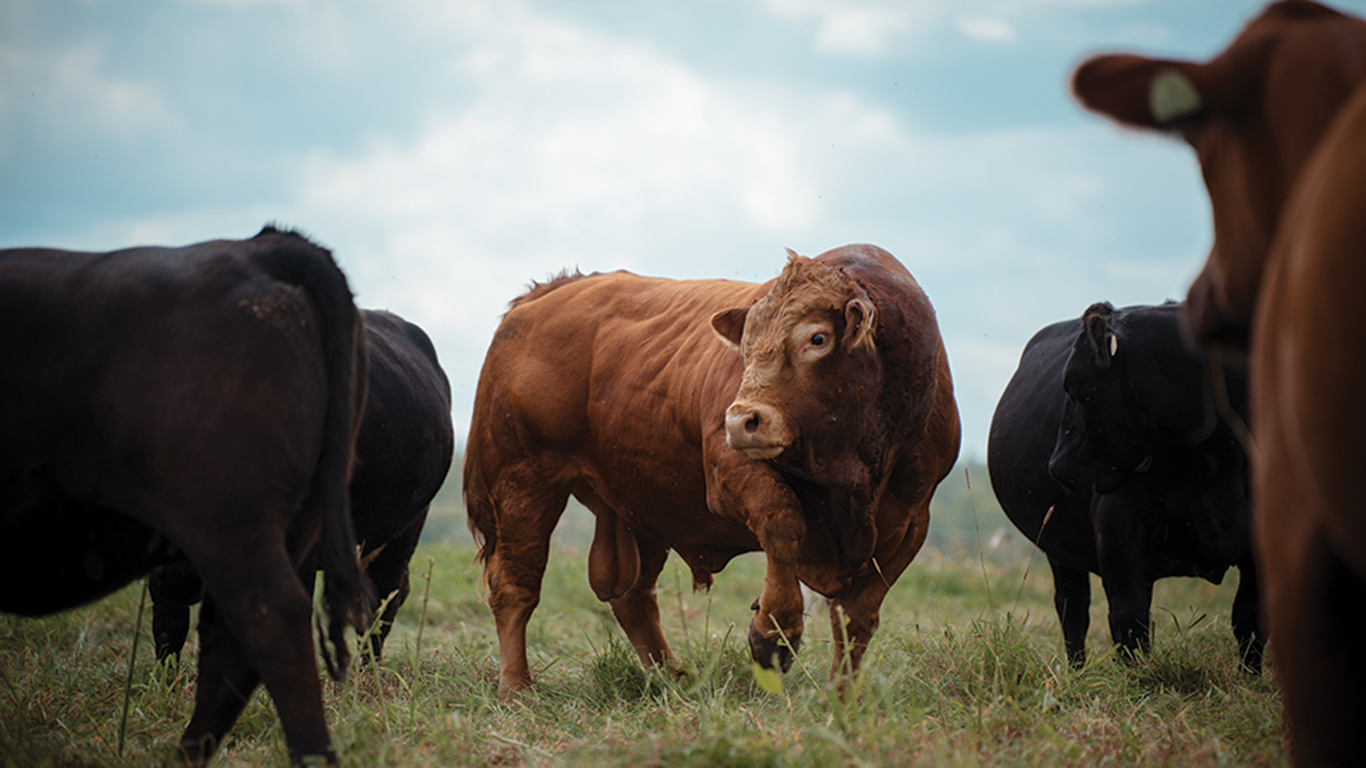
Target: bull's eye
(817, 339)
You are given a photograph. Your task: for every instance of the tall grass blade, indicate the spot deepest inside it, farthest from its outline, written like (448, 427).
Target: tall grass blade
(132, 664)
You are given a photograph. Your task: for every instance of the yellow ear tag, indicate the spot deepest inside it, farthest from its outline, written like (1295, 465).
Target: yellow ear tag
(768, 679)
(1172, 95)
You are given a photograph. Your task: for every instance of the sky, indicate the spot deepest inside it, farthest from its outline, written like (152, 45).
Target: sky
(449, 152)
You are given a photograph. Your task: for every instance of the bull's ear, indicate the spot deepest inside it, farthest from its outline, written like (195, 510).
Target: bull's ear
(1104, 341)
(730, 326)
(1141, 92)
(860, 321)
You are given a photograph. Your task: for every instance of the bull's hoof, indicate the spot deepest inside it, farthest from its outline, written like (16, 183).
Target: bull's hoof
(772, 652)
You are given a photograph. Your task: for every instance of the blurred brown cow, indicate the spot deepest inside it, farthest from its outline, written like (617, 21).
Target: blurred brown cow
(815, 428)
(1279, 123)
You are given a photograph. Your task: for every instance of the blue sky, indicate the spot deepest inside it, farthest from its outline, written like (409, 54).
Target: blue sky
(451, 151)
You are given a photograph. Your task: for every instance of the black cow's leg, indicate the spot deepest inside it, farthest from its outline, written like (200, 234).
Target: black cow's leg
(389, 573)
(1072, 600)
(258, 628)
(1121, 549)
(226, 682)
(1247, 619)
(174, 588)
(637, 611)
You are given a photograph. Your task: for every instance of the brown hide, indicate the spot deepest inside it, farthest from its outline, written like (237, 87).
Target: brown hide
(1256, 113)
(615, 388)
(1281, 135)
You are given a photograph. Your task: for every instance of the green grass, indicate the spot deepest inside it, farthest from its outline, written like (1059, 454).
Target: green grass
(966, 670)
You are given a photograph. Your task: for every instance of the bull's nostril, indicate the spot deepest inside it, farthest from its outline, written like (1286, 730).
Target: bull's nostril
(752, 423)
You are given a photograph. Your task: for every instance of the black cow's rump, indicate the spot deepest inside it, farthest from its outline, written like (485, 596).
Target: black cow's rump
(1107, 450)
(403, 452)
(196, 402)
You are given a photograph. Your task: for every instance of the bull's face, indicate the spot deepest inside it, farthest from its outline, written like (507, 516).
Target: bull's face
(807, 348)
(1105, 434)
(1253, 115)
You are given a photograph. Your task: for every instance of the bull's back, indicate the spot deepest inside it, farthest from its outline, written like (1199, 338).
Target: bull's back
(594, 341)
(612, 374)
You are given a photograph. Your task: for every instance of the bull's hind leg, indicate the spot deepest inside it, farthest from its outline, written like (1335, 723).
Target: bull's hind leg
(527, 511)
(637, 610)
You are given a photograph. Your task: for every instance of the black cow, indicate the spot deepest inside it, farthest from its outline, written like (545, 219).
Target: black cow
(199, 402)
(1107, 450)
(403, 452)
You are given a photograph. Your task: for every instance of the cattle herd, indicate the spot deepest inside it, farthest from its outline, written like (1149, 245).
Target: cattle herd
(223, 417)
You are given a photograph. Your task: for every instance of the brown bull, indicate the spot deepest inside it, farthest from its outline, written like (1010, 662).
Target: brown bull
(1279, 123)
(819, 441)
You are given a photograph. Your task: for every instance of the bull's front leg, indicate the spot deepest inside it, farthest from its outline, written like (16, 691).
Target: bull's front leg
(856, 613)
(753, 492)
(775, 633)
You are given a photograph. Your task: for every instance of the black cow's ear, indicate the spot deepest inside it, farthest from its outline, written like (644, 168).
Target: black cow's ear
(860, 320)
(1104, 341)
(730, 326)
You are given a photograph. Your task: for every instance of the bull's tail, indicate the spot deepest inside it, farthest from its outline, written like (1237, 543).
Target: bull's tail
(480, 515)
(347, 595)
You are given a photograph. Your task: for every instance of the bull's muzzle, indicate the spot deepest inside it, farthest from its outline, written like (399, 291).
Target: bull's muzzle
(756, 429)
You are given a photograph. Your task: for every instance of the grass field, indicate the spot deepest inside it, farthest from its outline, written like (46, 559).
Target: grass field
(966, 670)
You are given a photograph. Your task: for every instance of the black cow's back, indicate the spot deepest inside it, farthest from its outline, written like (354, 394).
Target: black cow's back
(406, 437)
(1024, 429)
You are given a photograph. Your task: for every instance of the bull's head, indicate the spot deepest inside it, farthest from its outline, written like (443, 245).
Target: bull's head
(810, 365)
(1106, 433)
(1253, 114)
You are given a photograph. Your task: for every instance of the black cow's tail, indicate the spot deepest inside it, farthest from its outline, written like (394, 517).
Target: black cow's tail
(347, 595)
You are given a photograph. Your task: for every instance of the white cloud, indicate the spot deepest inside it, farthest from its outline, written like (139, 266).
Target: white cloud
(987, 29)
(69, 89)
(863, 29)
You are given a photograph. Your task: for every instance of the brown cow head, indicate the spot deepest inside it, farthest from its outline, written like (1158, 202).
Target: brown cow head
(810, 368)
(1254, 115)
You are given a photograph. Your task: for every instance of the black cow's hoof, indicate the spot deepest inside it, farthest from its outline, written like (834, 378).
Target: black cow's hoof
(772, 653)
